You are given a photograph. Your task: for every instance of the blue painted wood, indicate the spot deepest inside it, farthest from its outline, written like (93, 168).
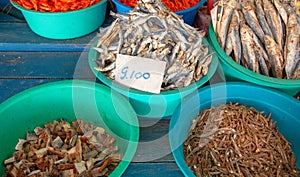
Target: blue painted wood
(9, 88)
(53, 65)
(19, 37)
(153, 169)
(9, 13)
(5, 17)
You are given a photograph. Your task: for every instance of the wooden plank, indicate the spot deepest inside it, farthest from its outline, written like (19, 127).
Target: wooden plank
(30, 65)
(154, 141)
(10, 14)
(19, 37)
(5, 17)
(153, 169)
(9, 88)
(15, 35)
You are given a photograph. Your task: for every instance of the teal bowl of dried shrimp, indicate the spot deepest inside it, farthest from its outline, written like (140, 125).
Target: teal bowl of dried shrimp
(237, 128)
(266, 55)
(63, 20)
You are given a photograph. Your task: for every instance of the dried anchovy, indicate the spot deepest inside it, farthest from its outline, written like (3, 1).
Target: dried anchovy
(235, 140)
(153, 31)
(62, 149)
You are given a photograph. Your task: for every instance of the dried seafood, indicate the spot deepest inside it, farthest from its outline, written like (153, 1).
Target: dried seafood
(261, 35)
(235, 140)
(152, 31)
(62, 149)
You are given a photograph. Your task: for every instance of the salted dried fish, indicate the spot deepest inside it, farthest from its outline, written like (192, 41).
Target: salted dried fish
(248, 49)
(251, 19)
(225, 21)
(274, 21)
(152, 31)
(281, 10)
(291, 49)
(275, 56)
(262, 18)
(234, 37)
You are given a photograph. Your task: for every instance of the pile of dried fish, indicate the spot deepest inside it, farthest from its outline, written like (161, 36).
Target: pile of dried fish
(261, 35)
(235, 140)
(152, 31)
(62, 149)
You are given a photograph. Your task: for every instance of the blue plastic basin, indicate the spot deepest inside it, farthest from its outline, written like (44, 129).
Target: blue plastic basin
(284, 108)
(188, 15)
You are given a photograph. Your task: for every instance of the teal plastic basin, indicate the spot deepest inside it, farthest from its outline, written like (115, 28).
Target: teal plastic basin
(65, 25)
(154, 105)
(188, 15)
(93, 103)
(236, 72)
(285, 111)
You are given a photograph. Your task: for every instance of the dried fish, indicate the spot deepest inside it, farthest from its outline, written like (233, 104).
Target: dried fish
(151, 30)
(251, 19)
(261, 16)
(225, 21)
(230, 140)
(72, 151)
(291, 50)
(275, 56)
(277, 20)
(274, 21)
(248, 49)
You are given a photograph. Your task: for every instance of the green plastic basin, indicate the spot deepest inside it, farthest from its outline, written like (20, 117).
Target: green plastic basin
(154, 105)
(65, 25)
(93, 103)
(236, 72)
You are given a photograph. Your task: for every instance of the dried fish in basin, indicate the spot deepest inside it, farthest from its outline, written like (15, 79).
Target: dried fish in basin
(274, 23)
(64, 149)
(236, 140)
(152, 31)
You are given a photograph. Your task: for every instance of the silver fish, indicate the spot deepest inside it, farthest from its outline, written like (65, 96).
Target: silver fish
(281, 10)
(251, 19)
(275, 57)
(262, 18)
(260, 53)
(296, 74)
(291, 48)
(234, 35)
(225, 21)
(274, 21)
(248, 49)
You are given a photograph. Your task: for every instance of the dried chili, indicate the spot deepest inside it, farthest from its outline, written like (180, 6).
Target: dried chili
(55, 5)
(173, 5)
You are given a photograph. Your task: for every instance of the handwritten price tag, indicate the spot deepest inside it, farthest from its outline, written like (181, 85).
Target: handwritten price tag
(140, 73)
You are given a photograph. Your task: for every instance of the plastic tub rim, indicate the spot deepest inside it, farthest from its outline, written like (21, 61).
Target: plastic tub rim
(201, 2)
(212, 69)
(239, 68)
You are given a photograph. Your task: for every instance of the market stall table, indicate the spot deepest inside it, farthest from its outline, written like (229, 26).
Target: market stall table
(28, 60)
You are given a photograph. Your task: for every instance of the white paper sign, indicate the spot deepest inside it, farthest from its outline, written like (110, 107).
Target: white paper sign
(140, 73)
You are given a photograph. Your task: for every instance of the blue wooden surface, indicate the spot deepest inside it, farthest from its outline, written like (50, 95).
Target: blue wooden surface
(28, 60)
